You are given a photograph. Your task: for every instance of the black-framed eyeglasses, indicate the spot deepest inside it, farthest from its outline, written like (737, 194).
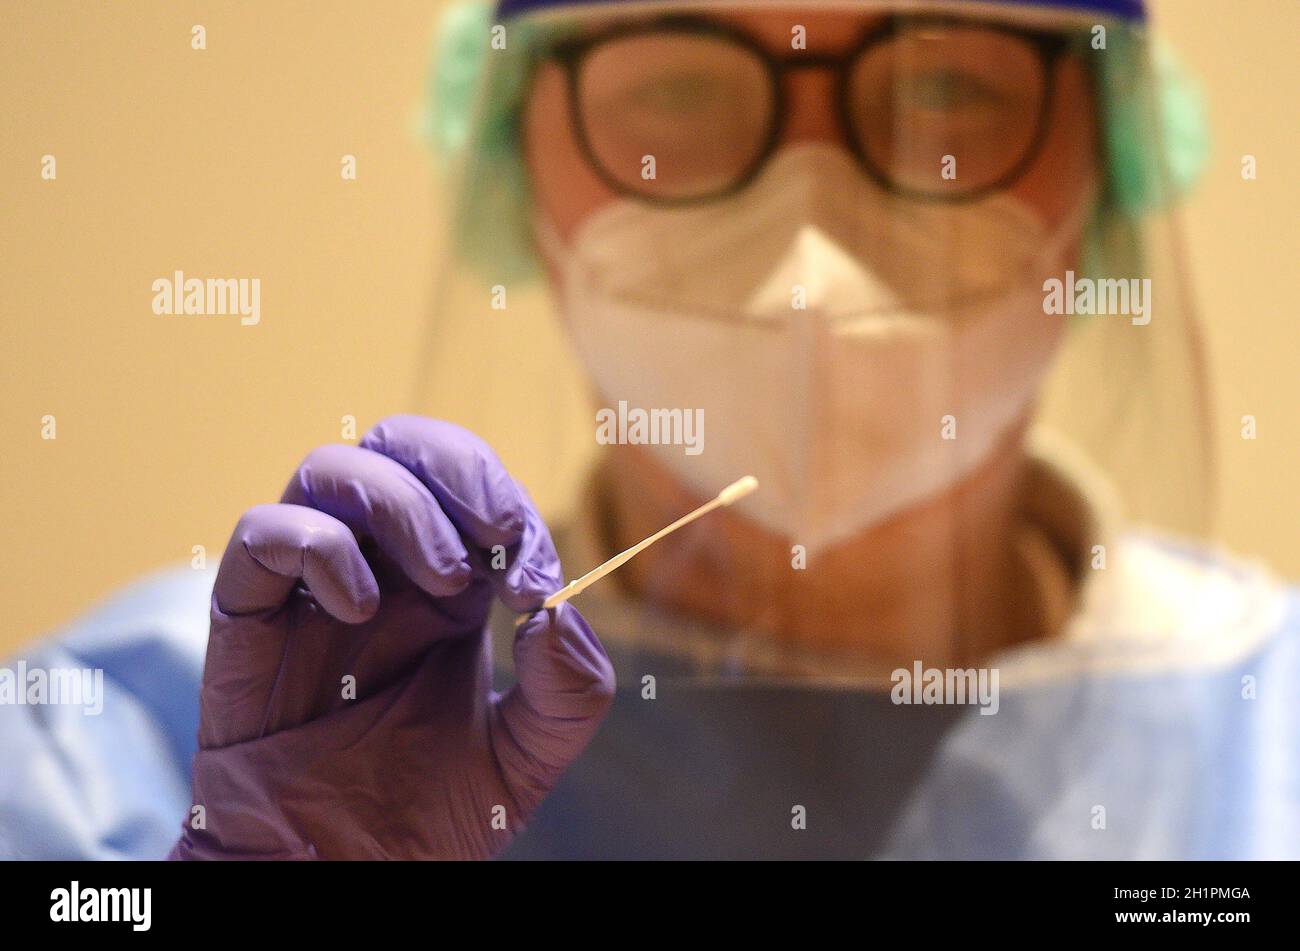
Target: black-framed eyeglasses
(682, 109)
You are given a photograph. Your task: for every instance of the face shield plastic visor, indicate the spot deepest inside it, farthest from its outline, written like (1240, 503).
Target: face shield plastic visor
(908, 264)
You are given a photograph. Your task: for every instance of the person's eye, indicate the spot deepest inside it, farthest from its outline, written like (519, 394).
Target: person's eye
(681, 93)
(950, 91)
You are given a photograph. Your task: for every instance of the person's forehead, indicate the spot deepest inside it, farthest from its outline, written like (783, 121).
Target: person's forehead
(824, 30)
(821, 30)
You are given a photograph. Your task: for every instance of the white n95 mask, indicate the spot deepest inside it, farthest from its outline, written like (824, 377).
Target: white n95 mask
(856, 351)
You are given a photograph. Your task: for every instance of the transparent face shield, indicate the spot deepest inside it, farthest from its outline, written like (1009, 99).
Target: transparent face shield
(911, 270)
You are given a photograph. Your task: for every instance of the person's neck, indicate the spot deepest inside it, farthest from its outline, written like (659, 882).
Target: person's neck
(939, 582)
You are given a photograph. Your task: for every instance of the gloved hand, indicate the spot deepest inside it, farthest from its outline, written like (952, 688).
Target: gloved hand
(347, 708)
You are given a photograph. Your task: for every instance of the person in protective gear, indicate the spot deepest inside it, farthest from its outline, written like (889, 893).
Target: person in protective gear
(831, 245)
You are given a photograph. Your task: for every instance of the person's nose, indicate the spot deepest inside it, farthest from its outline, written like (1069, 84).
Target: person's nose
(810, 114)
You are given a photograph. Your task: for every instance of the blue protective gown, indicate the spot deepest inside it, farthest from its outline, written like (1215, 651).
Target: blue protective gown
(1104, 745)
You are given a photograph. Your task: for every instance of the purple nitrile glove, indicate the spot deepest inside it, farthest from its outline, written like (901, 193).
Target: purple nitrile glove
(347, 708)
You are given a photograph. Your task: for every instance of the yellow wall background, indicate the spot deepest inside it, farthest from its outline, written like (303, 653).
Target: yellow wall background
(226, 161)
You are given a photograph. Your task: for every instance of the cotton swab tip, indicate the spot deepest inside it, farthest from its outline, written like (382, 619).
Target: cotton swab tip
(738, 490)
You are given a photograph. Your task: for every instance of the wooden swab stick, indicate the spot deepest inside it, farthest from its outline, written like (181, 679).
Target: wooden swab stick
(737, 490)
